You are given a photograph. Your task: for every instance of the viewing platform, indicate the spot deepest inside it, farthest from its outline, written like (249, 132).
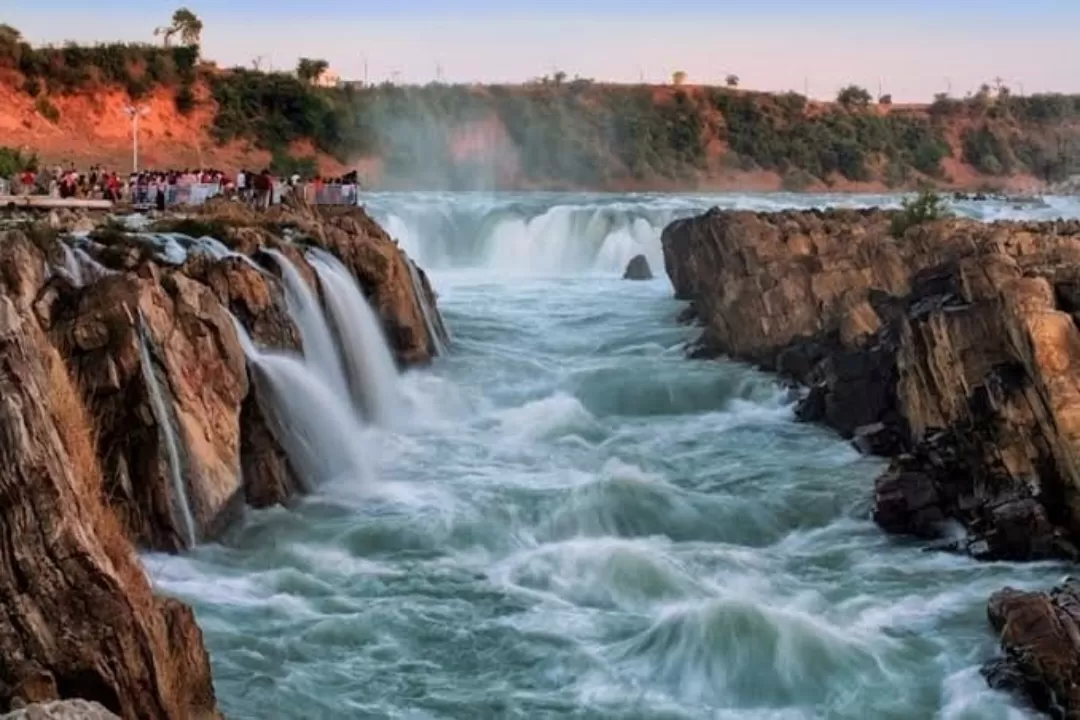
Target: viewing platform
(45, 202)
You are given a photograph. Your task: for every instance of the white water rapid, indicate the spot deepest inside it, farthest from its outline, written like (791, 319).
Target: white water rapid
(573, 520)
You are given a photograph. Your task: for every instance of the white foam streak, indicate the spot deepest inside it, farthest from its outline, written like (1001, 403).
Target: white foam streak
(429, 313)
(371, 372)
(316, 427)
(165, 425)
(319, 349)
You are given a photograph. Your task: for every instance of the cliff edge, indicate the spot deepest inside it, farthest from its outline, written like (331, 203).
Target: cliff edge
(953, 350)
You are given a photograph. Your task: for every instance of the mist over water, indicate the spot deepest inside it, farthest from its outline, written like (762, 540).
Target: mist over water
(571, 519)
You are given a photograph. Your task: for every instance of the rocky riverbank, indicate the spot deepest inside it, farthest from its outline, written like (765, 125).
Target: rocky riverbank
(132, 420)
(953, 350)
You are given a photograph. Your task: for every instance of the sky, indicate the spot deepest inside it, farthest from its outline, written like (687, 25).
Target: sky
(910, 49)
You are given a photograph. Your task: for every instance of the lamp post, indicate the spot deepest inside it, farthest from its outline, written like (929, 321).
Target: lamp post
(135, 112)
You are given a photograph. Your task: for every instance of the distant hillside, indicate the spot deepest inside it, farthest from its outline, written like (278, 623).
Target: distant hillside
(66, 103)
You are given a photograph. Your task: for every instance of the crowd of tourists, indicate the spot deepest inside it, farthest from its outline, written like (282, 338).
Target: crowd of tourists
(163, 188)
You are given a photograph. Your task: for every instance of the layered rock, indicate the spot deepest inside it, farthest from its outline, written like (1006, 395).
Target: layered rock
(954, 350)
(79, 619)
(951, 349)
(1040, 642)
(369, 253)
(130, 418)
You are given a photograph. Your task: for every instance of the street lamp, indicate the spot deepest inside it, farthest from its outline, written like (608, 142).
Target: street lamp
(135, 112)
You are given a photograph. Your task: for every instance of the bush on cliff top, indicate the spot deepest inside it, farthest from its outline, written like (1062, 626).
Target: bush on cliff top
(925, 207)
(13, 162)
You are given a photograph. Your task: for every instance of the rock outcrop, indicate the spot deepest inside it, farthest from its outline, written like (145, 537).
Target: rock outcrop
(952, 350)
(77, 616)
(1040, 642)
(62, 710)
(638, 269)
(130, 418)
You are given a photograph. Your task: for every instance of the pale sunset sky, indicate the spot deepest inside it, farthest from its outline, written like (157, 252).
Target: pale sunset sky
(913, 48)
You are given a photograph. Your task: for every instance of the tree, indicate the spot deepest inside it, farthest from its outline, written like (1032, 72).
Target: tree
(885, 99)
(732, 80)
(559, 78)
(853, 96)
(678, 77)
(309, 69)
(184, 23)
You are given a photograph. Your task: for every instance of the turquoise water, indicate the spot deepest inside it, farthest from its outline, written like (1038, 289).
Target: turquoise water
(576, 521)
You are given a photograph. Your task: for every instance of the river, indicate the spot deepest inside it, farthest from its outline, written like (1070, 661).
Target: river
(575, 521)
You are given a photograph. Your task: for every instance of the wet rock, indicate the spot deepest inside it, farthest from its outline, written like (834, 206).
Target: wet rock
(1040, 643)
(80, 619)
(62, 710)
(954, 350)
(638, 269)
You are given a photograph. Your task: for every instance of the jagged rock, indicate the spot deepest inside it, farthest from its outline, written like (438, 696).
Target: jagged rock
(78, 618)
(62, 710)
(946, 349)
(194, 358)
(87, 469)
(638, 269)
(350, 234)
(1040, 641)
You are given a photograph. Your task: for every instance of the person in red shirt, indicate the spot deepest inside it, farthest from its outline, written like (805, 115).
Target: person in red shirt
(29, 180)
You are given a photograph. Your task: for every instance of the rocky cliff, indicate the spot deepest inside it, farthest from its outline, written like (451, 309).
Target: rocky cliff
(130, 420)
(953, 350)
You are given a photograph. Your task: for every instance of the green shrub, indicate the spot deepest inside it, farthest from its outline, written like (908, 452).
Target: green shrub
(13, 162)
(185, 100)
(854, 96)
(32, 87)
(986, 151)
(925, 207)
(47, 110)
(285, 165)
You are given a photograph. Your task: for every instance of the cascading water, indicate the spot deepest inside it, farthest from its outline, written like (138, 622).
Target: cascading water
(370, 367)
(72, 266)
(432, 320)
(581, 522)
(320, 350)
(164, 418)
(314, 424)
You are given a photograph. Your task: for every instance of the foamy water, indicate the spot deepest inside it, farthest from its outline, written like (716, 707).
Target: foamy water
(573, 520)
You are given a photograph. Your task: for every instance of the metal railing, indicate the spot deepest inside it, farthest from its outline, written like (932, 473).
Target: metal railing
(198, 193)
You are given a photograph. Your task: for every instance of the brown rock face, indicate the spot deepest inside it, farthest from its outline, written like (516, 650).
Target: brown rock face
(953, 350)
(1040, 640)
(79, 619)
(950, 349)
(371, 255)
(128, 416)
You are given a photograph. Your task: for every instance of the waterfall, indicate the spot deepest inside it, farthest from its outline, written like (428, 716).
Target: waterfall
(72, 266)
(429, 312)
(370, 368)
(172, 450)
(314, 424)
(319, 349)
(91, 269)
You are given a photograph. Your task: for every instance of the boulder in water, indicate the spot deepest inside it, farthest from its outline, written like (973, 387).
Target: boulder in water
(1040, 643)
(638, 269)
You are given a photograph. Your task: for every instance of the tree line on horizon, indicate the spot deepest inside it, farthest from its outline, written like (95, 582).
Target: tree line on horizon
(576, 131)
